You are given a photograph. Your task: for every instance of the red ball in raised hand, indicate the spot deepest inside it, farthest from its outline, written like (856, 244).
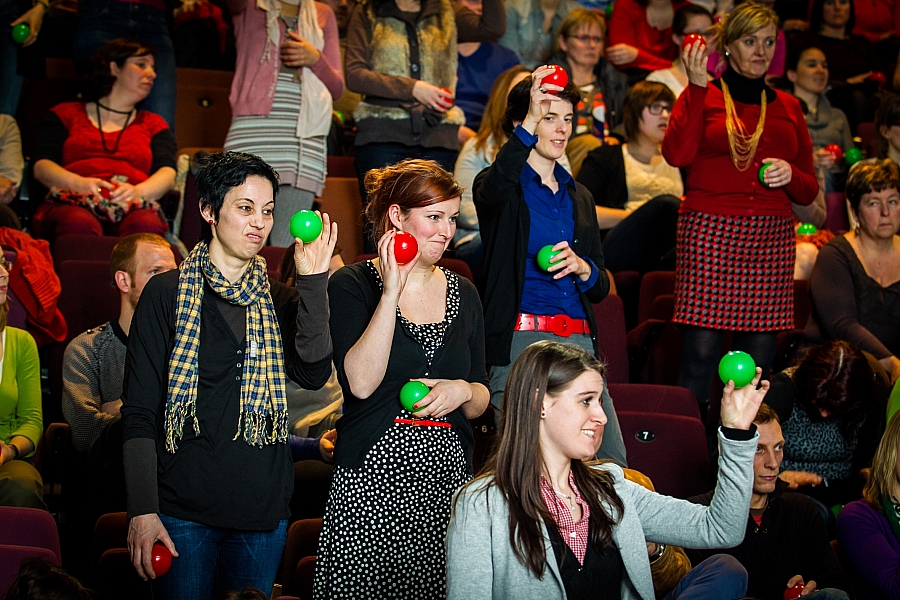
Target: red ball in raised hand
(557, 77)
(690, 39)
(405, 247)
(161, 559)
(793, 592)
(878, 78)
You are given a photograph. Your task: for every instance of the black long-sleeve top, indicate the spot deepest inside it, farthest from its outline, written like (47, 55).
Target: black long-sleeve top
(354, 294)
(212, 478)
(505, 223)
(791, 540)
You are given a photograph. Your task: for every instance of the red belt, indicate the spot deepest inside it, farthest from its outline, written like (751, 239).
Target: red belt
(422, 422)
(560, 325)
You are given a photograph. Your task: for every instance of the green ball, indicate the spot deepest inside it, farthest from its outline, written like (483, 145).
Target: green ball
(411, 393)
(807, 229)
(737, 366)
(608, 10)
(544, 255)
(762, 173)
(835, 509)
(853, 156)
(306, 225)
(21, 32)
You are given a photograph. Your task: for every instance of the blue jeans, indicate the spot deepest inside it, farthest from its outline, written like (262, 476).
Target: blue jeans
(719, 577)
(9, 59)
(101, 21)
(375, 156)
(212, 560)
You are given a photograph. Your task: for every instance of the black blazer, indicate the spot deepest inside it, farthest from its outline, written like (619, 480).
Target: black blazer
(505, 226)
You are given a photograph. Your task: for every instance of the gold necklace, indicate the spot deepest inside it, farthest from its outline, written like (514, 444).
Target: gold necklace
(742, 145)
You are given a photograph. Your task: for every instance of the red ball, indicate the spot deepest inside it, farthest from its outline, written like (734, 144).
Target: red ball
(557, 77)
(161, 559)
(793, 592)
(878, 78)
(105, 191)
(448, 100)
(689, 40)
(405, 247)
(835, 151)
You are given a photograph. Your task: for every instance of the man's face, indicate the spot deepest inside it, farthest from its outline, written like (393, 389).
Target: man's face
(769, 454)
(149, 260)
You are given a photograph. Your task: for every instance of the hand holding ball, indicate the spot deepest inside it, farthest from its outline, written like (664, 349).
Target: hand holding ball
(405, 247)
(20, 33)
(835, 151)
(878, 78)
(306, 225)
(690, 39)
(544, 257)
(411, 393)
(793, 592)
(738, 367)
(161, 559)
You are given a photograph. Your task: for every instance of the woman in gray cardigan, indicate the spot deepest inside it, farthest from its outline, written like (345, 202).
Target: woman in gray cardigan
(543, 524)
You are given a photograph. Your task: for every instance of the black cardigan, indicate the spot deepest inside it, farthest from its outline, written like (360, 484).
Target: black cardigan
(211, 478)
(603, 174)
(505, 226)
(790, 541)
(354, 294)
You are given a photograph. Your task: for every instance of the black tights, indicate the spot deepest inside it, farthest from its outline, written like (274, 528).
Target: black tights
(701, 350)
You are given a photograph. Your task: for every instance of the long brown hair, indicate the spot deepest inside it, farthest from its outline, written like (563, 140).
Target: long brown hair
(546, 367)
(880, 484)
(492, 121)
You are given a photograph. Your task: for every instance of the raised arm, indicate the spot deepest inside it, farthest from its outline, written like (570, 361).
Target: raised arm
(685, 131)
(488, 27)
(363, 348)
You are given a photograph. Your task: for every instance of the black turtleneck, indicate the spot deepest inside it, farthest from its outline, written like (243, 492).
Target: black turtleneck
(744, 90)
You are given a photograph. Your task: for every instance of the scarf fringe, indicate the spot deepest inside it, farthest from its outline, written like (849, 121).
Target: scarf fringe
(253, 424)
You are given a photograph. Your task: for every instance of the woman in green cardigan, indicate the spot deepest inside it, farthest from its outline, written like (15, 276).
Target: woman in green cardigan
(21, 423)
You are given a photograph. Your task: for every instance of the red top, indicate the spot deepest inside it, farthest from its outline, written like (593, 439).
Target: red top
(697, 139)
(83, 152)
(628, 25)
(574, 534)
(876, 18)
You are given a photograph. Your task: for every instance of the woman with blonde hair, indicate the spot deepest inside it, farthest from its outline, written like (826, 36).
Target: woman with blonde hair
(869, 529)
(748, 157)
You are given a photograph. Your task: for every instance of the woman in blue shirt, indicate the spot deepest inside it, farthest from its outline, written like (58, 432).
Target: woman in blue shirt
(526, 201)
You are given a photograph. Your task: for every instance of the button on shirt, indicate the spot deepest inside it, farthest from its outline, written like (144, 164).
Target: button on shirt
(552, 221)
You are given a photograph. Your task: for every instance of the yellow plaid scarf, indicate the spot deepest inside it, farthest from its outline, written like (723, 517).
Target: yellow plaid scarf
(264, 415)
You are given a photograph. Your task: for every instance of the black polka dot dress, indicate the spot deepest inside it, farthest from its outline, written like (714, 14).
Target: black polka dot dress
(385, 523)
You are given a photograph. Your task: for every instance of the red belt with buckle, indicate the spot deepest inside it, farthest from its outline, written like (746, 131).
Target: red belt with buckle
(422, 422)
(560, 325)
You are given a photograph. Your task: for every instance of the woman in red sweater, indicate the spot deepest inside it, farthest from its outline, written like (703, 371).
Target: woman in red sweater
(735, 243)
(106, 162)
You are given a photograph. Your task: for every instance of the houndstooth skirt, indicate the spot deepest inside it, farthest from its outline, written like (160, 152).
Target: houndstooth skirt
(735, 272)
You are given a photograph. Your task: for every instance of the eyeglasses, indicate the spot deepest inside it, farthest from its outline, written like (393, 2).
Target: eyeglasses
(657, 109)
(584, 38)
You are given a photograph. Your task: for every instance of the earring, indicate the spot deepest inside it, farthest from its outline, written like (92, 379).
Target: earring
(856, 230)
(543, 414)
(211, 222)
(727, 54)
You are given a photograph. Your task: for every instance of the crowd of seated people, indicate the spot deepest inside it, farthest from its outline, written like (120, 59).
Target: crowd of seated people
(702, 160)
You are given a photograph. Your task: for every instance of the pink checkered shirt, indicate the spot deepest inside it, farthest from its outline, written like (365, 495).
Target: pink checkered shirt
(575, 534)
